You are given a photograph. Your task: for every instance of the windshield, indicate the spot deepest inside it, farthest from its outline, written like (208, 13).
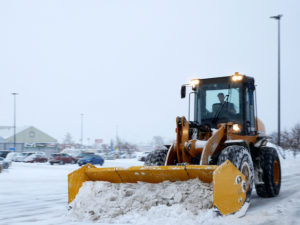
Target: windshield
(85, 154)
(32, 156)
(26, 153)
(218, 103)
(88, 157)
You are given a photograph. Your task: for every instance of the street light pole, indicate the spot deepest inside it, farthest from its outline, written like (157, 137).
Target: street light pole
(14, 94)
(278, 17)
(81, 129)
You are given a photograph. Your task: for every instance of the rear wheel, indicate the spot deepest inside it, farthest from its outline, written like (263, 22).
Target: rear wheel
(156, 158)
(241, 159)
(61, 162)
(270, 165)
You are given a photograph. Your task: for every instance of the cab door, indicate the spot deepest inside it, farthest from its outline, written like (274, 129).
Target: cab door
(249, 124)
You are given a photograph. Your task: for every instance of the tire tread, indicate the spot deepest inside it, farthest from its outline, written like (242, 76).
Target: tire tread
(269, 188)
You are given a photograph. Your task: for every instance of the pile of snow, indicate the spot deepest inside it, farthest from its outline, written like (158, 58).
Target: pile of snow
(110, 202)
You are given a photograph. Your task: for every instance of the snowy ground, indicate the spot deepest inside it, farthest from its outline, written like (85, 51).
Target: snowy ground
(37, 194)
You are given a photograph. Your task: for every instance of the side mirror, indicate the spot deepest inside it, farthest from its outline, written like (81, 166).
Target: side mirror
(183, 91)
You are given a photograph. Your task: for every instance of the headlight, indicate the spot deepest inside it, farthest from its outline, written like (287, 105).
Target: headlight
(236, 128)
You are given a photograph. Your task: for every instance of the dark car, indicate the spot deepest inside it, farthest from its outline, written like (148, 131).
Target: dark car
(37, 157)
(61, 158)
(4, 153)
(92, 159)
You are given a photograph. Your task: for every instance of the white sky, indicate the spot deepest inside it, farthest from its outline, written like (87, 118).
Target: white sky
(122, 63)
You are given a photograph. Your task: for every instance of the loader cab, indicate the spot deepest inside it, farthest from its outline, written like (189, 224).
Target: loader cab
(226, 99)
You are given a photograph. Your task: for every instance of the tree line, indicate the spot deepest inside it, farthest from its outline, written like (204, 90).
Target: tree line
(289, 139)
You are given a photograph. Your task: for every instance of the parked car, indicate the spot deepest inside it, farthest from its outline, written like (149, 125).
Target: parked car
(37, 157)
(84, 154)
(20, 157)
(5, 164)
(61, 158)
(142, 156)
(92, 159)
(11, 156)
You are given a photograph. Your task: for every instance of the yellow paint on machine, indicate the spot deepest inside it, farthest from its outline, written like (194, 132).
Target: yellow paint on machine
(228, 193)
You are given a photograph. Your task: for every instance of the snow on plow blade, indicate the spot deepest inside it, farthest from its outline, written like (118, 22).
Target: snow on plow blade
(228, 182)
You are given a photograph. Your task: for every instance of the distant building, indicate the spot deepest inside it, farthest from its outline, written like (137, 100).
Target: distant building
(27, 139)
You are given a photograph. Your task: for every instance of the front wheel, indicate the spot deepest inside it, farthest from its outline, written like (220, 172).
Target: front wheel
(156, 158)
(271, 168)
(241, 159)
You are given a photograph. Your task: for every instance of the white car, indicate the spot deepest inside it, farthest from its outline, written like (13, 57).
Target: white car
(36, 157)
(20, 157)
(11, 156)
(4, 163)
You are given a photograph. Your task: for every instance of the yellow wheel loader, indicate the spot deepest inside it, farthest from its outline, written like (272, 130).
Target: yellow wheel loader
(224, 144)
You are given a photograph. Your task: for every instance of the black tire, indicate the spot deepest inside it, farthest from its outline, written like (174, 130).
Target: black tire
(241, 159)
(51, 163)
(156, 158)
(61, 162)
(271, 168)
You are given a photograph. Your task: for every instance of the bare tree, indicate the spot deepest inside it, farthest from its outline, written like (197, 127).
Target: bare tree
(289, 139)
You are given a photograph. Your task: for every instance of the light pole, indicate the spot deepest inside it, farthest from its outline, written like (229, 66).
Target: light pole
(278, 17)
(14, 94)
(81, 129)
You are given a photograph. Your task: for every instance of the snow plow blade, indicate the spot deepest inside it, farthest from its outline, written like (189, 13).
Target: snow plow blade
(228, 182)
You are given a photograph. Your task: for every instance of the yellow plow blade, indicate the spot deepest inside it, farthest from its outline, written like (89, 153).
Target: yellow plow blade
(228, 191)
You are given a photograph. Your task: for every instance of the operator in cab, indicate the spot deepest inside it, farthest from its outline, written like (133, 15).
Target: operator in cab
(224, 109)
(229, 107)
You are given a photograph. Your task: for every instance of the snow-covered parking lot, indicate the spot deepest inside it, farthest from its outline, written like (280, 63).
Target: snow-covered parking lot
(37, 194)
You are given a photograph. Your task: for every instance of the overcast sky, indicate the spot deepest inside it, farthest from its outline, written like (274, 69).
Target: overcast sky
(122, 63)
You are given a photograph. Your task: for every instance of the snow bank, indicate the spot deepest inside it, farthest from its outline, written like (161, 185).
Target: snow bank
(109, 202)
(36, 194)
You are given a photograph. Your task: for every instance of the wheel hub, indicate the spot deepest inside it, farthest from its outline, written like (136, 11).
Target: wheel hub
(246, 171)
(276, 172)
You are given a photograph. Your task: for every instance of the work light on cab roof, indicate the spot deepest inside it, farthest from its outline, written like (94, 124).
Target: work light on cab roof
(194, 83)
(237, 77)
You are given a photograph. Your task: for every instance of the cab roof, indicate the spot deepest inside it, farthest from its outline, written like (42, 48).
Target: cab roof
(225, 79)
